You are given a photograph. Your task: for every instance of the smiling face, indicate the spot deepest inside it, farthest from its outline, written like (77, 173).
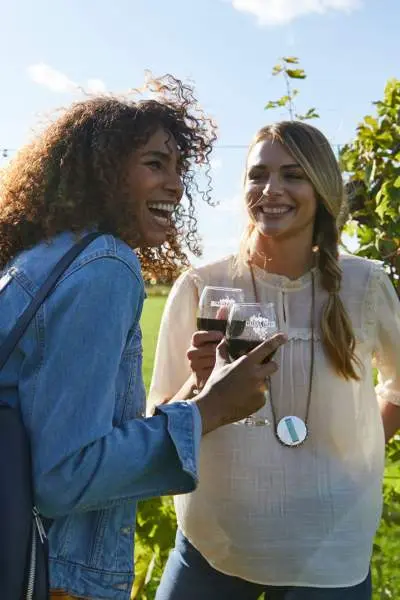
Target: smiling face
(154, 187)
(279, 197)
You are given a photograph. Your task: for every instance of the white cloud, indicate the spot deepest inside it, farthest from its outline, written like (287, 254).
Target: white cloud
(96, 86)
(280, 12)
(56, 81)
(51, 78)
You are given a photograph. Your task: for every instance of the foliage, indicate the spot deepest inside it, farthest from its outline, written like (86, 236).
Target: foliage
(156, 289)
(155, 534)
(288, 68)
(156, 525)
(372, 164)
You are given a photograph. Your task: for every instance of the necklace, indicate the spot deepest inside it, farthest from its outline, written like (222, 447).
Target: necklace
(291, 430)
(264, 258)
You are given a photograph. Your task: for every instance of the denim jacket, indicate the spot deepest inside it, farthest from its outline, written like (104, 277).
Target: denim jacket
(76, 375)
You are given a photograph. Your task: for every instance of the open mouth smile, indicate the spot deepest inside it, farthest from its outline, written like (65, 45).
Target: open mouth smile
(275, 211)
(162, 212)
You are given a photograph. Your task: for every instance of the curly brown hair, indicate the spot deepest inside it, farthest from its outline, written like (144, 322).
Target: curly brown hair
(72, 176)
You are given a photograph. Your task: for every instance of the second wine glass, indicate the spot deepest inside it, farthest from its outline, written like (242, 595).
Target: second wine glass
(248, 326)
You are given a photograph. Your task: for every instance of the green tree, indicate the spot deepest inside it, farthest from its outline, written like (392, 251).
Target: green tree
(288, 68)
(155, 535)
(372, 162)
(372, 165)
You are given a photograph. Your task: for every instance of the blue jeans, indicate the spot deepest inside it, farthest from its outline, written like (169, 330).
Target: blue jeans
(188, 576)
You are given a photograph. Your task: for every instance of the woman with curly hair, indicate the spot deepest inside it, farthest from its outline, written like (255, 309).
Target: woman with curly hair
(289, 507)
(118, 168)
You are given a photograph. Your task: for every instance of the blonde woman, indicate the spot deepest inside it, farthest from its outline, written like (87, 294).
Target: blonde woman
(295, 521)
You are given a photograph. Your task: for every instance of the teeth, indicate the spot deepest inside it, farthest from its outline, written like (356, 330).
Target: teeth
(275, 210)
(161, 220)
(167, 207)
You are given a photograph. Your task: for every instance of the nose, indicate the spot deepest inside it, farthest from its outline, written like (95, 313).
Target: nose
(174, 186)
(273, 186)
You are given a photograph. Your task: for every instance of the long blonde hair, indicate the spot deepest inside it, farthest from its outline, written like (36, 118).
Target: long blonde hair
(314, 154)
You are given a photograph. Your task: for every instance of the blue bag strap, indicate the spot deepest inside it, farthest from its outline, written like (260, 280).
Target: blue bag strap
(23, 321)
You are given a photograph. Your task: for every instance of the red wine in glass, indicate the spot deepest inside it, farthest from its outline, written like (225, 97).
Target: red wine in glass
(238, 347)
(214, 306)
(206, 324)
(248, 326)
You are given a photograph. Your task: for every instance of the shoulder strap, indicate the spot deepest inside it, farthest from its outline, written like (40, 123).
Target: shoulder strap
(23, 321)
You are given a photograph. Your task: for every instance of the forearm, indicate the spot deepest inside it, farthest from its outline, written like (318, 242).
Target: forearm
(390, 414)
(142, 458)
(186, 392)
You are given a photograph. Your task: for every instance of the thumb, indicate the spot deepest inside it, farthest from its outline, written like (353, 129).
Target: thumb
(222, 356)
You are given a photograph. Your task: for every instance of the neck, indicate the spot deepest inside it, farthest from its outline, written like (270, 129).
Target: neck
(291, 257)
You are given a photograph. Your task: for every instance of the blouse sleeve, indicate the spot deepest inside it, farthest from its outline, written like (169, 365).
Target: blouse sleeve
(171, 366)
(387, 350)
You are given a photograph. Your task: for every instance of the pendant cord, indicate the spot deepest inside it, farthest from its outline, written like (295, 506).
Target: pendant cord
(312, 357)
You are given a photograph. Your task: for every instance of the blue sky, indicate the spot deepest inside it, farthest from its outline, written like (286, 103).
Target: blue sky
(349, 48)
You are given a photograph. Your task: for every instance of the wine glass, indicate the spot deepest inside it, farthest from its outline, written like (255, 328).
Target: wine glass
(214, 305)
(248, 325)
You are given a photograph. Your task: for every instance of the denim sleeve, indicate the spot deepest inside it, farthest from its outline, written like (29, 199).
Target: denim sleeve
(81, 460)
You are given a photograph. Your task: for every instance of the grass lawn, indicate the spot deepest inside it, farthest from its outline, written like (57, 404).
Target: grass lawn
(151, 317)
(152, 312)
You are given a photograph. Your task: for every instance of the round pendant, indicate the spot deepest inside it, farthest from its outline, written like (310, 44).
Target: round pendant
(291, 431)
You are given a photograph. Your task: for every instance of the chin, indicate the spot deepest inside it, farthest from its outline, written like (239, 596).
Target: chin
(272, 232)
(152, 241)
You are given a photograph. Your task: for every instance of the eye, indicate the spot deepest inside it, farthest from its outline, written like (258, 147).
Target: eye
(155, 164)
(255, 176)
(294, 175)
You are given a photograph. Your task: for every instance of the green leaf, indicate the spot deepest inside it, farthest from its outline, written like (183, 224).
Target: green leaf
(291, 60)
(369, 173)
(283, 101)
(144, 562)
(277, 69)
(310, 114)
(296, 73)
(351, 228)
(385, 137)
(271, 104)
(396, 182)
(366, 235)
(382, 203)
(371, 121)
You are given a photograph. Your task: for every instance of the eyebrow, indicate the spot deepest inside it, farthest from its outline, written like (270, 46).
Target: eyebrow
(159, 154)
(287, 166)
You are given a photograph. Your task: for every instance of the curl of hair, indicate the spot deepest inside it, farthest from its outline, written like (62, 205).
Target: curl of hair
(73, 175)
(337, 332)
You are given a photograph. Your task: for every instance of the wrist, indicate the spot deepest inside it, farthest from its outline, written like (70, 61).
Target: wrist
(188, 390)
(207, 403)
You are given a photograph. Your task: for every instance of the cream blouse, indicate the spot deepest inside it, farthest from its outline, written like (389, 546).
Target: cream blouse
(301, 516)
